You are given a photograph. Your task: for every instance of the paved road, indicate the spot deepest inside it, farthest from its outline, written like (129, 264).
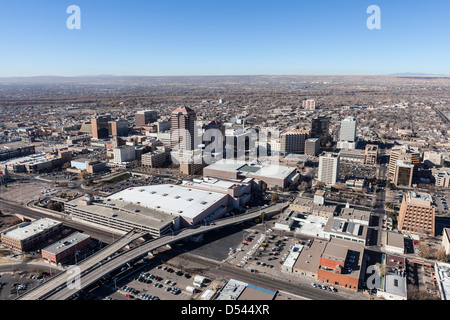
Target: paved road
(104, 236)
(85, 265)
(116, 262)
(267, 281)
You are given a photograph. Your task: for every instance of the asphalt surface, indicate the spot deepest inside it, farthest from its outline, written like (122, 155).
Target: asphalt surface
(104, 236)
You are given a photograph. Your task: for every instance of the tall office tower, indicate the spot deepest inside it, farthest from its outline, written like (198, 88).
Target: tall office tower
(329, 168)
(348, 129)
(312, 146)
(309, 104)
(371, 154)
(293, 141)
(403, 175)
(145, 117)
(119, 128)
(207, 137)
(182, 131)
(417, 215)
(100, 126)
(320, 129)
(403, 153)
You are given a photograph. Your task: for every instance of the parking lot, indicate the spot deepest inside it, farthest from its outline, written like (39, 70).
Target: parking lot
(14, 284)
(156, 282)
(262, 252)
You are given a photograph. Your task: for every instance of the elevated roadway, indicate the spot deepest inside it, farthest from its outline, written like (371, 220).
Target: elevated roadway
(62, 278)
(60, 291)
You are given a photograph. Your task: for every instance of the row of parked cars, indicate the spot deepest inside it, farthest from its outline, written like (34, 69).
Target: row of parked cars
(146, 296)
(324, 287)
(178, 272)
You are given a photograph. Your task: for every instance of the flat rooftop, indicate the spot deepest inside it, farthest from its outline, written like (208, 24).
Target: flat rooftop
(40, 157)
(252, 170)
(443, 279)
(395, 284)
(31, 229)
(238, 290)
(125, 211)
(309, 258)
(394, 239)
(211, 184)
(419, 198)
(355, 214)
(308, 202)
(66, 243)
(171, 199)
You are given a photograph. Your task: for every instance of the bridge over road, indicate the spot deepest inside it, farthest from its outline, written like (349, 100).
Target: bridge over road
(61, 279)
(89, 277)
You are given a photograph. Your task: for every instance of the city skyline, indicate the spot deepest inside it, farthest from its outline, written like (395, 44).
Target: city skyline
(173, 38)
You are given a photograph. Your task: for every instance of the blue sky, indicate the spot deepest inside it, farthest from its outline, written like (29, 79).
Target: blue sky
(226, 37)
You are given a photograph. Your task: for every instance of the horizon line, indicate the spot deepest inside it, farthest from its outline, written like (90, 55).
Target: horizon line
(220, 75)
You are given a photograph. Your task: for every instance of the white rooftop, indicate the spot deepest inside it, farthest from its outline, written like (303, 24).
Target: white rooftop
(293, 255)
(172, 199)
(31, 229)
(443, 279)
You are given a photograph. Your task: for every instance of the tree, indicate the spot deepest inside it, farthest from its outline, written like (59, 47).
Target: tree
(441, 256)
(303, 186)
(275, 198)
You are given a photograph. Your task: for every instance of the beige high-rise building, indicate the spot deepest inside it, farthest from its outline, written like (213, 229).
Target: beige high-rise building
(403, 153)
(371, 154)
(403, 174)
(309, 104)
(329, 168)
(183, 130)
(417, 215)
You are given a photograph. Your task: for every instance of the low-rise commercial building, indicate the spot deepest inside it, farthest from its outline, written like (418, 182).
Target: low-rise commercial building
(272, 175)
(308, 261)
(394, 284)
(65, 248)
(341, 264)
(27, 236)
(352, 155)
(308, 206)
(442, 274)
(238, 290)
(394, 242)
(441, 177)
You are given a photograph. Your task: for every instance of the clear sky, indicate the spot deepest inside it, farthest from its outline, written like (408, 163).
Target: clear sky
(223, 37)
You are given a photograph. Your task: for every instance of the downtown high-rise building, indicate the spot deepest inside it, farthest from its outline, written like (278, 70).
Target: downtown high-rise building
(145, 117)
(293, 141)
(100, 126)
(348, 129)
(417, 214)
(329, 168)
(309, 104)
(182, 132)
(320, 129)
(403, 153)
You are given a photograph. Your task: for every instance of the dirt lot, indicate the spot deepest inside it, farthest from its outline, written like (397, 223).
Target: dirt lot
(23, 192)
(7, 221)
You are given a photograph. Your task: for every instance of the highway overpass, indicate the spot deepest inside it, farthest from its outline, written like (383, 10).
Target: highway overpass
(61, 279)
(60, 291)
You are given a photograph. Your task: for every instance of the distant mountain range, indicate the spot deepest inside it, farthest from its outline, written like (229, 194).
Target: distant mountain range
(414, 74)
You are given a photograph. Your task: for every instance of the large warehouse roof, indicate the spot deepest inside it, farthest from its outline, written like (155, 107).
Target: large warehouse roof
(172, 199)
